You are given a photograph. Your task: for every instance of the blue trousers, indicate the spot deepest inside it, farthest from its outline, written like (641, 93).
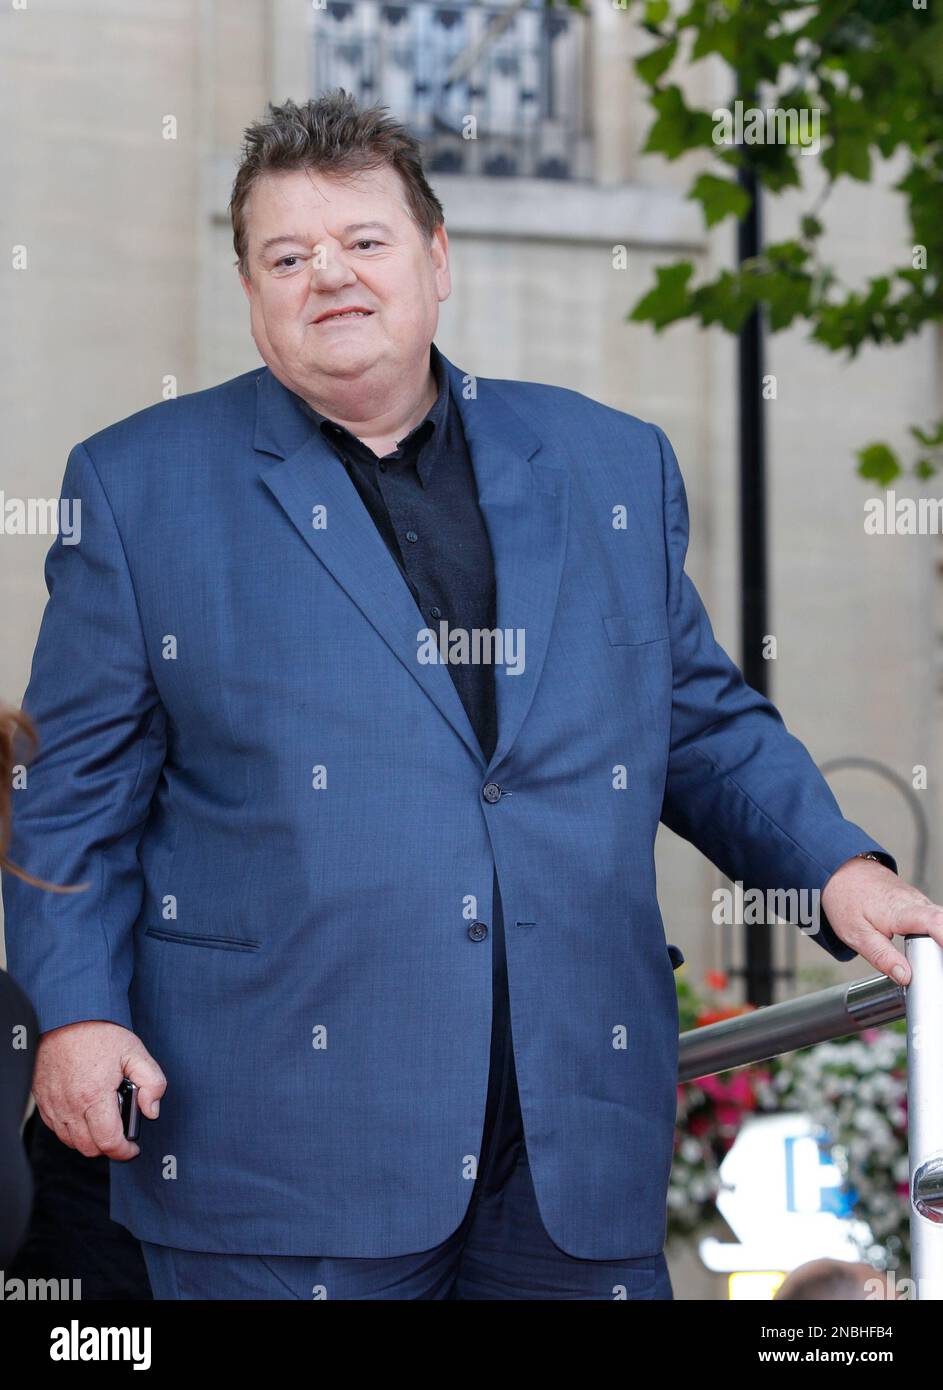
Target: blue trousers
(500, 1251)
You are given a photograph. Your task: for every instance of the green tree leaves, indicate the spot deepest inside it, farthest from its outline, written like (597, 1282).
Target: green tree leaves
(870, 73)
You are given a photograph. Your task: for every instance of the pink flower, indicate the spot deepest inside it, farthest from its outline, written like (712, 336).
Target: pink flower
(737, 1091)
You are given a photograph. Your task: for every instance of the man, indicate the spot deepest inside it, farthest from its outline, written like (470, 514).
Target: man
(377, 934)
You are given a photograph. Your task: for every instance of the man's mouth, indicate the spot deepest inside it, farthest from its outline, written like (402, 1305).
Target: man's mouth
(345, 314)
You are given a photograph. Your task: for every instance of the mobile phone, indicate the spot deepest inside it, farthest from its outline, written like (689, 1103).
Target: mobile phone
(128, 1105)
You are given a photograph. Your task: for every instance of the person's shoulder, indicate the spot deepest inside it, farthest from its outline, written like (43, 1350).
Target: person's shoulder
(185, 419)
(564, 408)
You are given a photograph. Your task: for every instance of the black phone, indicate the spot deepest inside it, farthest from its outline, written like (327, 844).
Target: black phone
(128, 1105)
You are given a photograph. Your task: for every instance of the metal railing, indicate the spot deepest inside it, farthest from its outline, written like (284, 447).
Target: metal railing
(835, 1013)
(489, 90)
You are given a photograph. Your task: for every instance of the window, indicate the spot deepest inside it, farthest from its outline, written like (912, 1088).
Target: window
(519, 72)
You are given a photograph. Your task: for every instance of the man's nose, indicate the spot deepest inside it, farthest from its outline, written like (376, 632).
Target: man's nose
(329, 268)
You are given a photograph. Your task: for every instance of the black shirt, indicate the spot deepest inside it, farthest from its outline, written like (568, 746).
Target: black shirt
(423, 498)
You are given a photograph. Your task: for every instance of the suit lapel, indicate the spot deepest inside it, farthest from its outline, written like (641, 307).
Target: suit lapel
(524, 506)
(524, 502)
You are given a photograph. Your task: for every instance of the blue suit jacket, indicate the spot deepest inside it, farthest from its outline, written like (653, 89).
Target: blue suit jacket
(280, 813)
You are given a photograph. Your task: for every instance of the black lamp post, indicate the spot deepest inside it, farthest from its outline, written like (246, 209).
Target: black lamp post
(760, 966)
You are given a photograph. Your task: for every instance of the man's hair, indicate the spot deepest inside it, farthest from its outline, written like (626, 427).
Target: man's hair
(330, 134)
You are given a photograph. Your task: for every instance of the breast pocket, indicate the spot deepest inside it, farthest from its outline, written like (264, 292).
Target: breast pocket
(636, 629)
(214, 943)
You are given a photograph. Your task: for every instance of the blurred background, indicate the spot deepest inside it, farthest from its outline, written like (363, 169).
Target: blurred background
(124, 121)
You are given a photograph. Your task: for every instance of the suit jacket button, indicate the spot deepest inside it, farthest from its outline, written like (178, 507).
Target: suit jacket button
(477, 931)
(491, 792)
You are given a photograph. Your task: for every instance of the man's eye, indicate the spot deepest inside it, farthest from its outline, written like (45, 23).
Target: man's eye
(285, 259)
(366, 242)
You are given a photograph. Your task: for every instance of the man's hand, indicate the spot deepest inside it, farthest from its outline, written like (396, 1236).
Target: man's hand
(867, 904)
(78, 1070)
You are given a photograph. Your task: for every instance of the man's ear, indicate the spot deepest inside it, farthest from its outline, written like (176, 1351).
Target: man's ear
(439, 247)
(246, 285)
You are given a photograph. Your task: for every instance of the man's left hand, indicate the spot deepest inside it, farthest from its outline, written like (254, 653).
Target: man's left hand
(867, 904)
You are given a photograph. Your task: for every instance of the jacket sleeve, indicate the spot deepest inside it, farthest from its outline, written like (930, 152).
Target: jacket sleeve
(79, 818)
(740, 787)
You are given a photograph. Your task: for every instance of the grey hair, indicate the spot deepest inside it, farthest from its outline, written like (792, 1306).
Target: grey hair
(330, 134)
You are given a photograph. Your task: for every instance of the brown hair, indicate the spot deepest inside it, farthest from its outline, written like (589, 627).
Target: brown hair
(330, 134)
(12, 723)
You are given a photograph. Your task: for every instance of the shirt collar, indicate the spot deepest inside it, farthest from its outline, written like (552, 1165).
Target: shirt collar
(423, 442)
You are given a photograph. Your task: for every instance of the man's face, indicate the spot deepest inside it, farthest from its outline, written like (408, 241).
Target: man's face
(341, 243)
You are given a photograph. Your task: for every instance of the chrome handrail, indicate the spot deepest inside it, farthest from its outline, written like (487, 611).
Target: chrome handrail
(835, 1013)
(812, 1018)
(925, 1113)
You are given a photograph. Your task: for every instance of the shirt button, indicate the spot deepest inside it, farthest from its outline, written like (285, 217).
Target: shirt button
(382, 466)
(436, 612)
(411, 536)
(491, 792)
(477, 931)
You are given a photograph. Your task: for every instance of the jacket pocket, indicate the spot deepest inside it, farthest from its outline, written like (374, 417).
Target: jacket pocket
(636, 629)
(217, 943)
